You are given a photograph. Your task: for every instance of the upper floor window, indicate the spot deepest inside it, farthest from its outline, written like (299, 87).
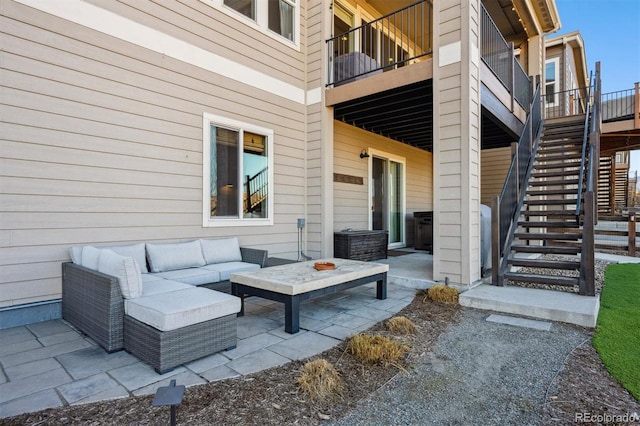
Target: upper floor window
(552, 81)
(237, 173)
(279, 17)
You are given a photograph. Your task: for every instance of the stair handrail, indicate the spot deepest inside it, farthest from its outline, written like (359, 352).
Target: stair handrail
(587, 255)
(506, 206)
(585, 139)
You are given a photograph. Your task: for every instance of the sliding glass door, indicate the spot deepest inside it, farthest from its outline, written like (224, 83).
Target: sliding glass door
(387, 197)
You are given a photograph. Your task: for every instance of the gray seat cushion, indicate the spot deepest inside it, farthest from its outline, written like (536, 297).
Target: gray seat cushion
(160, 285)
(193, 276)
(181, 308)
(227, 268)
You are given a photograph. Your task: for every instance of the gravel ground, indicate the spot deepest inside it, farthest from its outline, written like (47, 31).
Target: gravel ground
(478, 373)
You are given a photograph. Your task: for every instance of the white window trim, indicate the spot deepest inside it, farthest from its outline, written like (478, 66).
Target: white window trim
(261, 23)
(207, 220)
(555, 102)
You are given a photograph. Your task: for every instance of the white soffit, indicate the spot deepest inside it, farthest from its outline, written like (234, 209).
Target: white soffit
(104, 21)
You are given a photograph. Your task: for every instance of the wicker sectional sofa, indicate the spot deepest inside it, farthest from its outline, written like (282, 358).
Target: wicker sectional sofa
(167, 304)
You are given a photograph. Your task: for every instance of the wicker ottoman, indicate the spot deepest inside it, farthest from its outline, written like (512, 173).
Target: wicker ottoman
(169, 329)
(165, 350)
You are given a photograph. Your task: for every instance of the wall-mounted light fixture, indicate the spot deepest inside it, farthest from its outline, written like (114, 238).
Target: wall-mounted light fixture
(364, 154)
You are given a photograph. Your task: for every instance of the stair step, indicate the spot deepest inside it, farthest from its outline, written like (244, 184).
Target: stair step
(548, 249)
(542, 175)
(556, 143)
(574, 149)
(549, 166)
(548, 224)
(565, 212)
(547, 236)
(564, 158)
(550, 202)
(571, 134)
(548, 264)
(552, 192)
(543, 279)
(563, 182)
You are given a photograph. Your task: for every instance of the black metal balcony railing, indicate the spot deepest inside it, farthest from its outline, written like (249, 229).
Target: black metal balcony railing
(567, 102)
(499, 56)
(619, 105)
(394, 40)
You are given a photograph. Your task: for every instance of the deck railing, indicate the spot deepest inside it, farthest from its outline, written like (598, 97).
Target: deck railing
(615, 106)
(567, 102)
(500, 57)
(621, 105)
(392, 41)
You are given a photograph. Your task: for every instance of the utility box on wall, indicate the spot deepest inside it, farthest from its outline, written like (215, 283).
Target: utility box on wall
(360, 245)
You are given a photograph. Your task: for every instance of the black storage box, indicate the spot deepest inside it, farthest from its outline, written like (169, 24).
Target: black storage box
(423, 231)
(360, 245)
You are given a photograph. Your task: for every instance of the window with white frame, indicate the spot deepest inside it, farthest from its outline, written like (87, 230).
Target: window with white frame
(237, 173)
(278, 17)
(552, 81)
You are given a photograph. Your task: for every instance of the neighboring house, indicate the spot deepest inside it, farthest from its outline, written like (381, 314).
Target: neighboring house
(566, 78)
(138, 121)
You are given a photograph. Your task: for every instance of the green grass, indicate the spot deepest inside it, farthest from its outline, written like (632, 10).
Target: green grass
(617, 337)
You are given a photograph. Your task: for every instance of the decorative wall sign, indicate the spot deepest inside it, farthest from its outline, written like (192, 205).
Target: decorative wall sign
(356, 180)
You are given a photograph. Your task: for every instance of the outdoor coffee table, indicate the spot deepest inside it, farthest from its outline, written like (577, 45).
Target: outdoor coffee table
(296, 282)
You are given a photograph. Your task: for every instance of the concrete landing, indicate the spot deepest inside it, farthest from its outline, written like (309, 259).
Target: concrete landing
(549, 305)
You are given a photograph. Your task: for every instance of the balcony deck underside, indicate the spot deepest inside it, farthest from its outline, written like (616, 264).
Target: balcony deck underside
(398, 104)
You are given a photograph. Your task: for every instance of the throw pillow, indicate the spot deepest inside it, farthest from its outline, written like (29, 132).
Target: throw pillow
(125, 269)
(137, 251)
(90, 256)
(76, 255)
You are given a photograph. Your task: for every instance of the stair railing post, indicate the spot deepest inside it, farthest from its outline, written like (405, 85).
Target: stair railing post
(587, 261)
(632, 233)
(495, 241)
(512, 73)
(514, 154)
(636, 107)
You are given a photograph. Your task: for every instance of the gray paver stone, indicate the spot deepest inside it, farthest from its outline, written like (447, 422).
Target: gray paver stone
(94, 360)
(257, 361)
(186, 378)
(33, 384)
(304, 346)
(220, 372)
(139, 375)
(85, 388)
(252, 344)
(32, 368)
(39, 401)
(48, 328)
(207, 363)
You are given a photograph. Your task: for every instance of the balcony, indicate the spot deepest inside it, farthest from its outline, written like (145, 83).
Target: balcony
(395, 40)
(380, 78)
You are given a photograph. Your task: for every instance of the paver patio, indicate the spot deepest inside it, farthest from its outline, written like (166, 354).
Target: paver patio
(50, 364)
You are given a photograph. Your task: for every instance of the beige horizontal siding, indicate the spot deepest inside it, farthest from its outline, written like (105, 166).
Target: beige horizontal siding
(494, 166)
(352, 200)
(102, 139)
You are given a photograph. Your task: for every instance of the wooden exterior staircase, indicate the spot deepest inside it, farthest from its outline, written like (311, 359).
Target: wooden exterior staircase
(548, 224)
(547, 205)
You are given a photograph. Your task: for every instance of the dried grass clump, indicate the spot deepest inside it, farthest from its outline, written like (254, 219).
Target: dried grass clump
(320, 380)
(401, 325)
(443, 293)
(375, 349)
